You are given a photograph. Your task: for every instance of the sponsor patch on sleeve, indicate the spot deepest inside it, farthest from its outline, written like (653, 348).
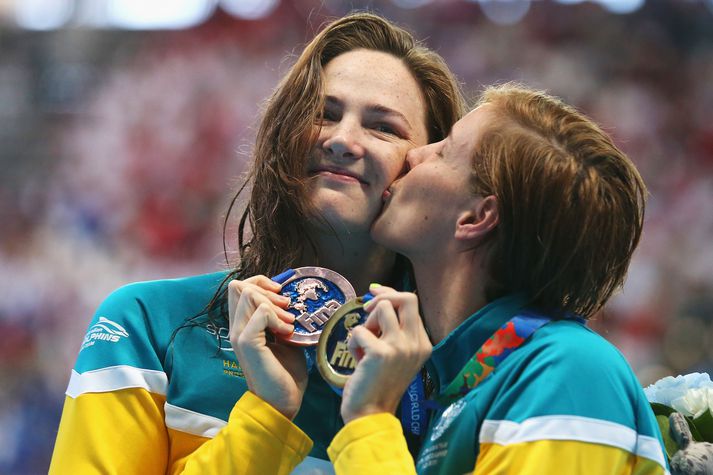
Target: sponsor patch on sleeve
(104, 330)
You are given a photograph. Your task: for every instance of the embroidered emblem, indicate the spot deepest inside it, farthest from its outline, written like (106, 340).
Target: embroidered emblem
(447, 418)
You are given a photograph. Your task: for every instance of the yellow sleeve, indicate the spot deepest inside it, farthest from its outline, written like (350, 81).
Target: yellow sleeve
(257, 439)
(123, 432)
(116, 432)
(371, 444)
(549, 456)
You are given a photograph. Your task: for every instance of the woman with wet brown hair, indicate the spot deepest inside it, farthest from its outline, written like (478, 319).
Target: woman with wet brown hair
(157, 387)
(280, 211)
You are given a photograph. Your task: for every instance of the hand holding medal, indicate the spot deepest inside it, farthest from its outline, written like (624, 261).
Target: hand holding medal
(275, 372)
(385, 353)
(291, 307)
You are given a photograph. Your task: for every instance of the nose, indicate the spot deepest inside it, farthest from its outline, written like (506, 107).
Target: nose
(343, 139)
(418, 155)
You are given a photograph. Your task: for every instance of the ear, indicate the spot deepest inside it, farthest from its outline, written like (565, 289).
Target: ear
(478, 221)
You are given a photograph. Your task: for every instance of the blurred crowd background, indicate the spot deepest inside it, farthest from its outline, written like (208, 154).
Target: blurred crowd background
(122, 138)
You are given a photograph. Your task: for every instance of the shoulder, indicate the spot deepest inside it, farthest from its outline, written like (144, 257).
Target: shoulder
(569, 344)
(567, 368)
(165, 303)
(180, 292)
(134, 324)
(569, 383)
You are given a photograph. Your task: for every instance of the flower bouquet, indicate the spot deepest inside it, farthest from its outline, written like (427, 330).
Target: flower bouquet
(683, 406)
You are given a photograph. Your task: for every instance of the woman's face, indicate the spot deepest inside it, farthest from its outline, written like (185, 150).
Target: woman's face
(422, 207)
(374, 113)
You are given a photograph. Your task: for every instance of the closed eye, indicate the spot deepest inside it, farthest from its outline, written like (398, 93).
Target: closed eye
(329, 115)
(385, 128)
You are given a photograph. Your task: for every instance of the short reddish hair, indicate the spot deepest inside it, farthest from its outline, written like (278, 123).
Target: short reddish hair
(571, 204)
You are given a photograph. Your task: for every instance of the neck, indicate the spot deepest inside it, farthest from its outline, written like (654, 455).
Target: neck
(356, 257)
(451, 287)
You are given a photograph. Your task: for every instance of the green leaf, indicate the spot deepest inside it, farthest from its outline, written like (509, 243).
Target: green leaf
(661, 409)
(695, 433)
(669, 444)
(704, 426)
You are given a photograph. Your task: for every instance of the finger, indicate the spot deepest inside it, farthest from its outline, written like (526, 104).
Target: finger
(251, 298)
(264, 282)
(361, 341)
(254, 296)
(375, 295)
(406, 306)
(378, 289)
(383, 319)
(371, 301)
(236, 305)
(233, 295)
(374, 290)
(256, 285)
(263, 319)
(248, 302)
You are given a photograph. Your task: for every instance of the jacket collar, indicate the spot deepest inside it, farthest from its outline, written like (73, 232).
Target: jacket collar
(454, 351)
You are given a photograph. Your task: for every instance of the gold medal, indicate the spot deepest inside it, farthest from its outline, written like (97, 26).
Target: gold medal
(334, 360)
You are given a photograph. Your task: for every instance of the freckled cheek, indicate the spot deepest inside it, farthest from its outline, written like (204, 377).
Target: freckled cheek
(394, 172)
(396, 164)
(388, 169)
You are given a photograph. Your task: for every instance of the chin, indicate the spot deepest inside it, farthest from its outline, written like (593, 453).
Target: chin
(333, 221)
(343, 214)
(384, 234)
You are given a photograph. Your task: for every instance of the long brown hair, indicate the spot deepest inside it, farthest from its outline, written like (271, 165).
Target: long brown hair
(272, 229)
(571, 203)
(278, 208)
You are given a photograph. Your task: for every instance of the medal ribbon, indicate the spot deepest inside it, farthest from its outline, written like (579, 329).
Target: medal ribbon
(413, 417)
(499, 346)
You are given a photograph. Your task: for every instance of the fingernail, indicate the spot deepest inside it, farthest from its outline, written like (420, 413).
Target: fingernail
(366, 297)
(282, 278)
(374, 285)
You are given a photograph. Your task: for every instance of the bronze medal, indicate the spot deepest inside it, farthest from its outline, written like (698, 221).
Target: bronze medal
(316, 294)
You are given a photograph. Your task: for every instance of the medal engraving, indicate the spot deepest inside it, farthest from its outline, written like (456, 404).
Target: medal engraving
(334, 360)
(341, 357)
(316, 294)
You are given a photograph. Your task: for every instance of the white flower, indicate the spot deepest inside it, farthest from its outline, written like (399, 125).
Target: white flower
(695, 402)
(668, 389)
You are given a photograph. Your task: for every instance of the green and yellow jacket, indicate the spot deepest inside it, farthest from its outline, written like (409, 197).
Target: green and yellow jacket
(566, 401)
(145, 397)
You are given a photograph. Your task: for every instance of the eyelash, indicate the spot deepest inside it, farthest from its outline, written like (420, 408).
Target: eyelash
(328, 116)
(388, 129)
